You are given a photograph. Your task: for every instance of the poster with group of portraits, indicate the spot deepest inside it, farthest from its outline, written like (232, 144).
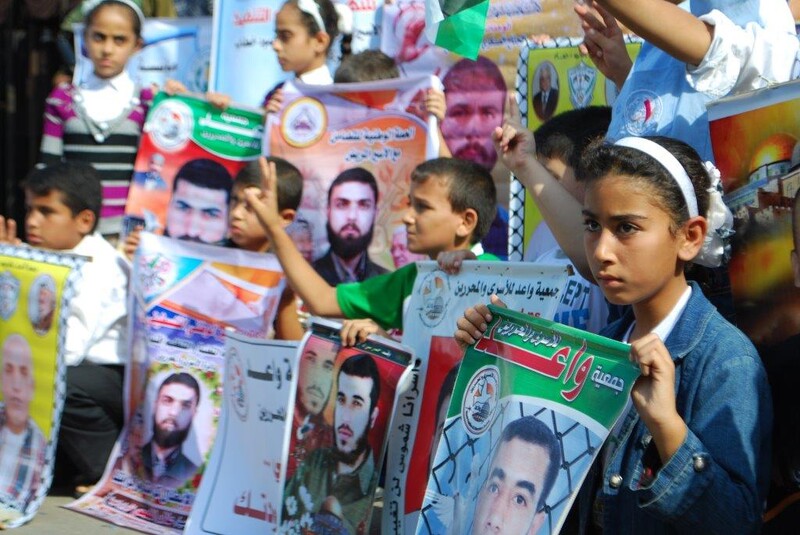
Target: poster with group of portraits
(189, 156)
(532, 405)
(36, 287)
(437, 301)
(184, 296)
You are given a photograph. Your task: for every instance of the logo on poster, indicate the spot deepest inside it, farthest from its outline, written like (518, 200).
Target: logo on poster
(237, 386)
(643, 112)
(171, 124)
(304, 122)
(9, 295)
(481, 400)
(582, 80)
(435, 291)
(156, 273)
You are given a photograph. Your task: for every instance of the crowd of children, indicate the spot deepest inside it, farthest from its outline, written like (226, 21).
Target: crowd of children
(624, 192)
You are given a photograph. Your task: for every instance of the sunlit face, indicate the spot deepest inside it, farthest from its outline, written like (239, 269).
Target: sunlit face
(176, 405)
(197, 214)
(352, 416)
(245, 230)
(316, 374)
(49, 222)
(544, 79)
(110, 40)
(565, 174)
(471, 118)
(297, 50)
(431, 223)
(46, 300)
(351, 209)
(509, 497)
(17, 382)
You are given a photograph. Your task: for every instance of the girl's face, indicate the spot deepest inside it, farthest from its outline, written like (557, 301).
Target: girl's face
(298, 51)
(110, 40)
(634, 257)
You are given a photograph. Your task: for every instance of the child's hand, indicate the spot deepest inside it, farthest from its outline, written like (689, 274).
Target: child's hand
(174, 87)
(513, 142)
(435, 104)
(132, 242)
(264, 202)
(8, 231)
(603, 42)
(539, 38)
(275, 102)
(218, 100)
(474, 323)
(355, 331)
(450, 261)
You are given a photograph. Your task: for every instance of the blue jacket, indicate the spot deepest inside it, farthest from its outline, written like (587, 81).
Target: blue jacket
(717, 481)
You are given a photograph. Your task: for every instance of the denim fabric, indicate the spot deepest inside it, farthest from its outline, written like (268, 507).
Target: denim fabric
(717, 481)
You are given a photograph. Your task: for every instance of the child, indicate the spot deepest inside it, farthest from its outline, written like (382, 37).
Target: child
(452, 205)
(694, 454)
(63, 205)
(101, 121)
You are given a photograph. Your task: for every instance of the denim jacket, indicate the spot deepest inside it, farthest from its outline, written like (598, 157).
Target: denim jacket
(717, 480)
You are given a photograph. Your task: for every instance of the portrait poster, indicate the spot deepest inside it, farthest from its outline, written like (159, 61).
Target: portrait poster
(187, 144)
(344, 403)
(242, 486)
(243, 34)
(533, 403)
(378, 126)
(436, 303)
(177, 49)
(36, 287)
(184, 298)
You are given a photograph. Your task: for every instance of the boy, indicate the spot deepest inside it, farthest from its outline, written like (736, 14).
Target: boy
(452, 204)
(63, 207)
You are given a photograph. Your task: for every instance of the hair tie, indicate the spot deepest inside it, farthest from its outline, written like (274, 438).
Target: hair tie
(312, 8)
(90, 5)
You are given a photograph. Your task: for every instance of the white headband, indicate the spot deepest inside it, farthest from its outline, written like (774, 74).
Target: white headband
(89, 5)
(311, 7)
(670, 162)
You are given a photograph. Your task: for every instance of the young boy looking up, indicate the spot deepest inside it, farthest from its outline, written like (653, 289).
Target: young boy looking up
(452, 204)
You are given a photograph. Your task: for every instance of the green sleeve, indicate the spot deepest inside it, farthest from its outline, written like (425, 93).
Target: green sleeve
(378, 298)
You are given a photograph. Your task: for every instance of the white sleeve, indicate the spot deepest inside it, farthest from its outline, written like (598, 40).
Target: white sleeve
(743, 58)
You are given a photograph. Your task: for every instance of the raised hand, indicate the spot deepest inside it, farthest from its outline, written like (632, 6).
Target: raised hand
(603, 42)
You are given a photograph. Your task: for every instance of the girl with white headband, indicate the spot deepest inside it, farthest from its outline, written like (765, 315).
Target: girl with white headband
(691, 454)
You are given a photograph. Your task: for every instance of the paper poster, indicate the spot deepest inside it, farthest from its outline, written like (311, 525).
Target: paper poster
(36, 287)
(243, 483)
(183, 298)
(532, 405)
(436, 303)
(378, 127)
(189, 154)
(344, 401)
(367, 16)
(174, 49)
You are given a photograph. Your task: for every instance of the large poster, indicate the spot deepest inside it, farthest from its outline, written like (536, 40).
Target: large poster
(189, 154)
(376, 126)
(243, 482)
(183, 298)
(344, 402)
(436, 303)
(532, 405)
(35, 291)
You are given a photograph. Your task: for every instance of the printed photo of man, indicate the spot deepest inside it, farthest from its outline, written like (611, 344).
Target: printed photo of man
(198, 209)
(42, 304)
(545, 99)
(352, 206)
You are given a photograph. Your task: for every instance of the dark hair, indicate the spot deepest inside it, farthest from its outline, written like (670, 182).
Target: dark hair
(534, 431)
(135, 20)
(77, 182)
(290, 181)
(366, 66)
(205, 173)
(463, 76)
(182, 378)
(328, 14)
(566, 135)
(601, 159)
(355, 174)
(470, 186)
(363, 365)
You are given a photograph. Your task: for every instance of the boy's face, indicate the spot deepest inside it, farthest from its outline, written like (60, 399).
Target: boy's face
(432, 224)
(244, 228)
(49, 223)
(565, 174)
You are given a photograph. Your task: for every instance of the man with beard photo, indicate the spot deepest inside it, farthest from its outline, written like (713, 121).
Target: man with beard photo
(352, 204)
(338, 482)
(163, 461)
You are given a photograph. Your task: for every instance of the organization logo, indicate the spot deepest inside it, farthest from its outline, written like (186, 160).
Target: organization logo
(435, 292)
(643, 112)
(170, 125)
(9, 295)
(582, 80)
(156, 273)
(481, 399)
(304, 122)
(237, 384)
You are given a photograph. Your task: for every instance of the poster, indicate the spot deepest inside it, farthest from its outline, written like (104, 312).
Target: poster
(243, 482)
(436, 303)
(344, 402)
(183, 298)
(36, 287)
(532, 405)
(188, 157)
(377, 126)
(174, 49)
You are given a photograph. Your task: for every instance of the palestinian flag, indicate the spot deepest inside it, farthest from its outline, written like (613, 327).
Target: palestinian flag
(456, 25)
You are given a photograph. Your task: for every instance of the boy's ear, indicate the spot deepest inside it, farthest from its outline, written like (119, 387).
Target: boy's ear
(288, 215)
(694, 235)
(469, 220)
(85, 221)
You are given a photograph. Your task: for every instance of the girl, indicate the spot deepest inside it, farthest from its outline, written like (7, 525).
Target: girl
(100, 122)
(692, 455)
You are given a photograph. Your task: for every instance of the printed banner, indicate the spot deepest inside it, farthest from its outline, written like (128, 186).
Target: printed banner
(36, 287)
(344, 402)
(242, 486)
(438, 300)
(243, 64)
(532, 405)
(177, 49)
(183, 298)
(188, 156)
(377, 126)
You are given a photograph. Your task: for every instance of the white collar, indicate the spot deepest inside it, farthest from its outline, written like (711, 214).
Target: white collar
(665, 326)
(319, 76)
(122, 83)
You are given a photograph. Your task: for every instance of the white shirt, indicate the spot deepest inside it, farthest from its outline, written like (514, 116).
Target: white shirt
(106, 99)
(318, 76)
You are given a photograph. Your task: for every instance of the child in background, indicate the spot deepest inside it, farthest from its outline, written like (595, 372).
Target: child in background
(100, 122)
(693, 454)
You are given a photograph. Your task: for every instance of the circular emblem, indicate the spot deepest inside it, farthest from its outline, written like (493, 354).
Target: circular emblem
(237, 384)
(171, 124)
(9, 294)
(643, 111)
(304, 122)
(481, 400)
(435, 292)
